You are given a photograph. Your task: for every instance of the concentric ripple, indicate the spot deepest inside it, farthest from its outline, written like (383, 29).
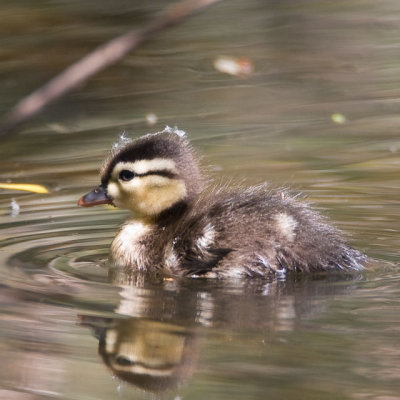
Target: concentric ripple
(60, 252)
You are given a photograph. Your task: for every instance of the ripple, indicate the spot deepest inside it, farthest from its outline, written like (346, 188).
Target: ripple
(59, 254)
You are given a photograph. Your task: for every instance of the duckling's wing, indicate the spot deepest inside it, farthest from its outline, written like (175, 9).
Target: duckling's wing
(201, 262)
(198, 243)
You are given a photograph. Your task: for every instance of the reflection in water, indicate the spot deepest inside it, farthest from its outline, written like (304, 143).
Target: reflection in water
(152, 355)
(155, 341)
(149, 346)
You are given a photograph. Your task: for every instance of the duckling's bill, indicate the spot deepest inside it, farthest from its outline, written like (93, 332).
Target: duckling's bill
(94, 198)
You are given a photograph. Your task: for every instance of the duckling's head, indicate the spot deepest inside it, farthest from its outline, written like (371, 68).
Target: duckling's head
(148, 175)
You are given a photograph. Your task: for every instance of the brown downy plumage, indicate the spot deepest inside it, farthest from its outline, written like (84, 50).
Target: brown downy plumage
(180, 227)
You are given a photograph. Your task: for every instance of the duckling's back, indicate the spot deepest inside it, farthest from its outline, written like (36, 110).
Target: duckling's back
(259, 232)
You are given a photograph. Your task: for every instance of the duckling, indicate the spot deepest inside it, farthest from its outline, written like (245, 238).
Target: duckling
(180, 226)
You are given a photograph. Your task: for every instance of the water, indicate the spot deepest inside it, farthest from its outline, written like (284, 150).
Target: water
(72, 329)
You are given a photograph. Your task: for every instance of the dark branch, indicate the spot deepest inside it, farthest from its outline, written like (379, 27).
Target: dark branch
(100, 58)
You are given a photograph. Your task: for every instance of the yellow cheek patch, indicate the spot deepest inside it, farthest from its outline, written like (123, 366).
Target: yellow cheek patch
(148, 195)
(159, 193)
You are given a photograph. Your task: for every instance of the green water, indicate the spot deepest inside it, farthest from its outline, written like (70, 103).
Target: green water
(71, 329)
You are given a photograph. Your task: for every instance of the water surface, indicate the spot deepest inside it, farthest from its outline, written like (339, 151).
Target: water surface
(72, 329)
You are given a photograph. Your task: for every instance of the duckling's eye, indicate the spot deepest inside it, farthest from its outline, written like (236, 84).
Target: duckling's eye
(126, 175)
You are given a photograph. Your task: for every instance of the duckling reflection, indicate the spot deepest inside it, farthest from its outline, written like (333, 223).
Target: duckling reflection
(153, 345)
(155, 342)
(152, 355)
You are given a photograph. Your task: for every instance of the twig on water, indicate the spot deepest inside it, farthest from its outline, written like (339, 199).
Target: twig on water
(103, 56)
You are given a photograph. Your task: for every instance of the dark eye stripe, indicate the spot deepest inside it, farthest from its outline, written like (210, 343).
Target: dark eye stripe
(127, 175)
(167, 174)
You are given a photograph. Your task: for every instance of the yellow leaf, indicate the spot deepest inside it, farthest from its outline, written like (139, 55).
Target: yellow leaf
(28, 187)
(110, 207)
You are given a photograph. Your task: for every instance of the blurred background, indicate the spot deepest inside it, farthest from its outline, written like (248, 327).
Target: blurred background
(302, 94)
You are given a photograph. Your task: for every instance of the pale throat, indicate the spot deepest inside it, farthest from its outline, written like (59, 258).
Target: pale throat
(127, 247)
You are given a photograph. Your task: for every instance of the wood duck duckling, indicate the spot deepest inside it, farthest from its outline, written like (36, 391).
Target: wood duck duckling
(181, 227)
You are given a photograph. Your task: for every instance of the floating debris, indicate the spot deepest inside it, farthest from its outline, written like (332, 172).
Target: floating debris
(110, 207)
(58, 128)
(242, 67)
(14, 208)
(151, 119)
(338, 118)
(27, 187)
